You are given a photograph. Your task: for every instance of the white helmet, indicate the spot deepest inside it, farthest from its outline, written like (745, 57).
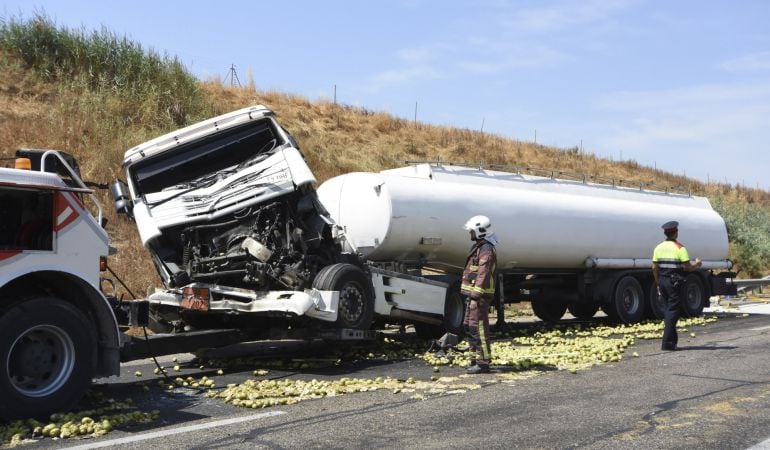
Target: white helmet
(480, 225)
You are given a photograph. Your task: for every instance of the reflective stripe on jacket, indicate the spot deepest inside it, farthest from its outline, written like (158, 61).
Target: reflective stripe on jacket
(480, 271)
(671, 257)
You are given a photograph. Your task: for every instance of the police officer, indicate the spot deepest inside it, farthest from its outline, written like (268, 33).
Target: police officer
(478, 284)
(669, 262)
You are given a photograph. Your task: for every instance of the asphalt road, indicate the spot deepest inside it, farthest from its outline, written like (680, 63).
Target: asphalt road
(713, 393)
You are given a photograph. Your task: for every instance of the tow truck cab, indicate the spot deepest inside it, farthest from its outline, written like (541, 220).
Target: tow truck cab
(58, 329)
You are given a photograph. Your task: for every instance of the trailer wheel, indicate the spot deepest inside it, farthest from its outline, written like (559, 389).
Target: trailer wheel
(356, 306)
(694, 296)
(656, 308)
(47, 355)
(549, 310)
(627, 301)
(583, 311)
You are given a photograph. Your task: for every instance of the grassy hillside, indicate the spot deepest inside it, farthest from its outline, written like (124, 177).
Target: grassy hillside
(96, 94)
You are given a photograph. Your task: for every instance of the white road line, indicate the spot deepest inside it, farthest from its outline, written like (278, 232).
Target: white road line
(761, 328)
(173, 431)
(764, 445)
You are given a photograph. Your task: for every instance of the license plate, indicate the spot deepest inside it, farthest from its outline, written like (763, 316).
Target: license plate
(196, 299)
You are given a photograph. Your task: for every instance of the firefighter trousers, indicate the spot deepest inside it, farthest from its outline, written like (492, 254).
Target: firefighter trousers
(476, 326)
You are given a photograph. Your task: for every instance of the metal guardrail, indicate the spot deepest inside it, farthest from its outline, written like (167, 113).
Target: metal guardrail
(560, 175)
(750, 283)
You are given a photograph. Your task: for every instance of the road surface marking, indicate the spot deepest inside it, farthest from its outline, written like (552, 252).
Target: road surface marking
(761, 328)
(764, 445)
(171, 432)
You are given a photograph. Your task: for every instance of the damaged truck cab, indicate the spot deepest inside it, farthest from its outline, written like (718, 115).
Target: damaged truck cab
(229, 212)
(227, 209)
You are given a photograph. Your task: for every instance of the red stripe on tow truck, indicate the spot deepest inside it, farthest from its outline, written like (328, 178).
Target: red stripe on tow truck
(5, 254)
(60, 207)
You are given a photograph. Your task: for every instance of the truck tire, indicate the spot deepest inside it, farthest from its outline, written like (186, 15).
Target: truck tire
(47, 357)
(656, 308)
(583, 311)
(627, 301)
(454, 313)
(549, 310)
(356, 306)
(694, 296)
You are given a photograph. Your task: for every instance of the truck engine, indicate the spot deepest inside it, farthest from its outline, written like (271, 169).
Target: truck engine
(279, 245)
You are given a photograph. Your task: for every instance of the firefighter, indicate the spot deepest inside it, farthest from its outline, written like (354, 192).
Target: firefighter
(669, 263)
(478, 285)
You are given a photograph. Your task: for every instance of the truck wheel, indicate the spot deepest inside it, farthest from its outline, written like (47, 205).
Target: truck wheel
(356, 306)
(694, 296)
(47, 355)
(454, 313)
(549, 311)
(454, 310)
(656, 308)
(583, 311)
(628, 300)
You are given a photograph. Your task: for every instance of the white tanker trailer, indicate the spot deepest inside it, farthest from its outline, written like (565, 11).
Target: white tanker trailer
(563, 243)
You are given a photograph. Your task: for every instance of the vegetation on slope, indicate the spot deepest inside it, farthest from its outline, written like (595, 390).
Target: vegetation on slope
(95, 94)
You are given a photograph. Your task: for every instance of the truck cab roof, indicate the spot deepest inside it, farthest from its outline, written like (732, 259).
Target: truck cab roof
(30, 178)
(194, 132)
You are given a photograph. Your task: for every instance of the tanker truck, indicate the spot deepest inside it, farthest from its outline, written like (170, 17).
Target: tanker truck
(240, 237)
(565, 244)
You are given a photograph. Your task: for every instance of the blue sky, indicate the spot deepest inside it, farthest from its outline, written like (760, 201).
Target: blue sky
(682, 85)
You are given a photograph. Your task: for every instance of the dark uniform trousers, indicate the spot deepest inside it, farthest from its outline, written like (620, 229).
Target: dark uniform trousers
(671, 291)
(477, 328)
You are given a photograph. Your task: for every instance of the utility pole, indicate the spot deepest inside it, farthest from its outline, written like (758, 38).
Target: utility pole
(335, 95)
(415, 113)
(233, 76)
(482, 124)
(535, 136)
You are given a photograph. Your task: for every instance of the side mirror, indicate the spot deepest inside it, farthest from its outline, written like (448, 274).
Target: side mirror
(121, 198)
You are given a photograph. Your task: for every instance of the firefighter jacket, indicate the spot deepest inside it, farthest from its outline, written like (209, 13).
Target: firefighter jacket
(480, 272)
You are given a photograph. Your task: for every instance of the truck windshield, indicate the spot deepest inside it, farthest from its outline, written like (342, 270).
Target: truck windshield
(199, 162)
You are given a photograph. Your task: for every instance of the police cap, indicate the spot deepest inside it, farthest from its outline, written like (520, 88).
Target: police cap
(672, 225)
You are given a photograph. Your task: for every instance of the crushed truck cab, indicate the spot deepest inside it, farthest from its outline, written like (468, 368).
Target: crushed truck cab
(228, 210)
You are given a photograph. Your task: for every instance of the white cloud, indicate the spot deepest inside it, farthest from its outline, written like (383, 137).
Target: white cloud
(506, 57)
(423, 53)
(754, 62)
(698, 127)
(565, 15)
(693, 96)
(401, 76)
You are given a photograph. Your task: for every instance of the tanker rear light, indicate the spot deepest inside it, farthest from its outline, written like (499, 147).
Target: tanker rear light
(22, 164)
(102, 263)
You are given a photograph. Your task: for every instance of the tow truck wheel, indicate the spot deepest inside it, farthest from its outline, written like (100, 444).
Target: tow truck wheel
(356, 306)
(47, 354)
